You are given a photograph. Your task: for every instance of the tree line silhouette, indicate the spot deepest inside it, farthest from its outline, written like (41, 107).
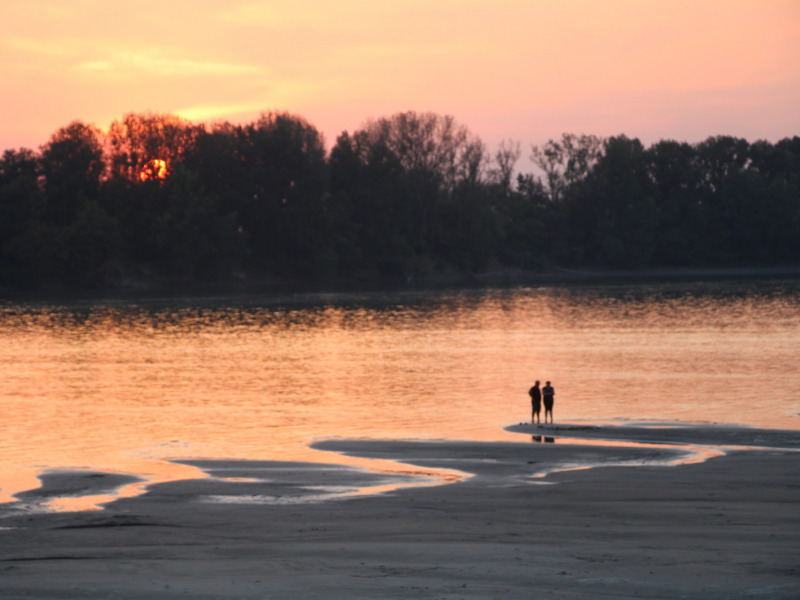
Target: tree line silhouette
(158, 198)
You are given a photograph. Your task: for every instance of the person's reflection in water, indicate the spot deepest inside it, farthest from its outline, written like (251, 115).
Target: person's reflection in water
(539, 439)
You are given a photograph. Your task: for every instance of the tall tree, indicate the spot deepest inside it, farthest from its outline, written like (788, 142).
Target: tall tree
(21, 198)
(72, 165)
(434, 150)
(145, 145)
(370, 204)
(567, 162)
(505, 159)
(23, 239)
(674, 171)
(720, 157)
(614, 216)
(284, 212)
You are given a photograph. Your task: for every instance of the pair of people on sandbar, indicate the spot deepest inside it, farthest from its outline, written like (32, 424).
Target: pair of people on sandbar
(536, 395)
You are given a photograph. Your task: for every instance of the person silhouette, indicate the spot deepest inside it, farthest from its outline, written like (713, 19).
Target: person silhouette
(549, 398)
(536, 402)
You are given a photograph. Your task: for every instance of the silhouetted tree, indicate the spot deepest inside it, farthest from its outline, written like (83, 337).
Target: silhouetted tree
(22, 208)
(433, 150)
(284, 212)
(370, 192)
(21, 198)
(674, 172)
(138, 139)
(505, 159)
(610, 211)
(567, 162)
(410, 183)
(408, 194)
(532, 227)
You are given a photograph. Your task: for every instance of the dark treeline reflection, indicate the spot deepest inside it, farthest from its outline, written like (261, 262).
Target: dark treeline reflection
(160, 198)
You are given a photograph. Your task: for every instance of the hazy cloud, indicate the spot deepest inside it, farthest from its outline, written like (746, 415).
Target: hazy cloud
(160, 63)
(219, 111)
(52, 48)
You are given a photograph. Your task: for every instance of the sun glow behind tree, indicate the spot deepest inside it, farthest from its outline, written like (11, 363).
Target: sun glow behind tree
(155, 170)
(145, 147)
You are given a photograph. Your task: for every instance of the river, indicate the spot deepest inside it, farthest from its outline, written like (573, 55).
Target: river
(125, 385)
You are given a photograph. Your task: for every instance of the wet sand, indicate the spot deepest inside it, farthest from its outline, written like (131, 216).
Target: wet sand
(523, 520)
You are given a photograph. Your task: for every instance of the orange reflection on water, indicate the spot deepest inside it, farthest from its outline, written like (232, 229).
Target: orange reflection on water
(678, 455)
(15, 480)
(66, 495)
(123, 387)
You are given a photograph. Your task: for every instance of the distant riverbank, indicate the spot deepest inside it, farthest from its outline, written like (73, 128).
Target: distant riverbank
(255, 284)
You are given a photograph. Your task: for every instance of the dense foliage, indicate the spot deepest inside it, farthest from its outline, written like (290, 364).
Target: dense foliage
(160, 198)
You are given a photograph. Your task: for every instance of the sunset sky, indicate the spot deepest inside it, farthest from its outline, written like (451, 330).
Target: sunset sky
(526, 70)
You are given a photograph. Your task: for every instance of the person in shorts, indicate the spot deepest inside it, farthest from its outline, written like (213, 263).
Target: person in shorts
(536, 403)
(549, 398)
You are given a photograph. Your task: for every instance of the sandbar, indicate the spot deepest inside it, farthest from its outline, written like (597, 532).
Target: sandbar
(491, 520)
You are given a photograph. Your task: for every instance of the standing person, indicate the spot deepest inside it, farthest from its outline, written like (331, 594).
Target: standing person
(536, 402)
(549, 394)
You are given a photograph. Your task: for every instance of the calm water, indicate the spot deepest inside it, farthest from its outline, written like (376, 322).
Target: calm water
(124, 385)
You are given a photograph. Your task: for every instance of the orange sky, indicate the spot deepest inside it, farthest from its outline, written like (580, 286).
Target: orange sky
(526, 70)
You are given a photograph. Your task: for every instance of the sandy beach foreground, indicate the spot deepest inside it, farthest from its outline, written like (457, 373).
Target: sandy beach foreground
(718, 518)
